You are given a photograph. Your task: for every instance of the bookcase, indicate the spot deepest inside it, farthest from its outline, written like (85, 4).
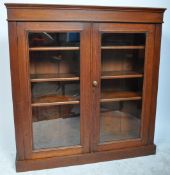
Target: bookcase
(84, 81)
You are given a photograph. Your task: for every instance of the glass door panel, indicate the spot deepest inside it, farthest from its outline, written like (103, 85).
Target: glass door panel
(51, 92)
(122, 72)
(54, 39)
(120, 120)
(54, 65)
(56, 126)
(55, 88)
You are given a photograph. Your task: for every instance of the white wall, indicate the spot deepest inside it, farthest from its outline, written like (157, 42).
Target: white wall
(7, 140)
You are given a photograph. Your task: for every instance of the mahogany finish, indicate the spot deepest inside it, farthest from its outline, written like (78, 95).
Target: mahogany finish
(112, 80)
(37, 12)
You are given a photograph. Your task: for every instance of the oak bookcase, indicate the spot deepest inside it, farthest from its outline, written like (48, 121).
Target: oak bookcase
(84, 82)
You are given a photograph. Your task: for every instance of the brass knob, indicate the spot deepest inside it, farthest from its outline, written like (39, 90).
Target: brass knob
(95, 83)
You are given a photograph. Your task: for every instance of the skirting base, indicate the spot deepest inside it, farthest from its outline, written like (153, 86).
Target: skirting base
(53, 162)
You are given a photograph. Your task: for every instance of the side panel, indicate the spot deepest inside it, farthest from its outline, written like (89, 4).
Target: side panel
(16, 90)
(155, 76)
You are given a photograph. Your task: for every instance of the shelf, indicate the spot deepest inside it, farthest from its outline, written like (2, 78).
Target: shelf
(73, 77)
(120, 74)
(54, 77)
(52, 100)
(122, 47)
(53, 48)
(120, 96)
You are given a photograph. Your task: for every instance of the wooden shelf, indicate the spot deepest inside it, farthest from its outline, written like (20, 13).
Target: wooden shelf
(53, 48)
(120, 96)
(122, 47)
(54, 77)
(120, 74)
(52, 100)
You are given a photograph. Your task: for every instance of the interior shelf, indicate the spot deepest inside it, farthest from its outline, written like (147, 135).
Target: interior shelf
(52, 48)
(123, 47)
(54, 77)
(120, 74)
(108, 96)
(51, 100)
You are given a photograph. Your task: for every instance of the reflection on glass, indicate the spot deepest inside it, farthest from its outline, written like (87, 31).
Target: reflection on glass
(56, 126)
(120, 120)
(54, 39)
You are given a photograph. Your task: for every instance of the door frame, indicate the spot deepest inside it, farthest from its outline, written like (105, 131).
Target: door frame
(25, 95)
(149, 29)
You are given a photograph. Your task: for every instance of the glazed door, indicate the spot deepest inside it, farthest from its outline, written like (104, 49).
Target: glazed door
(122, 60)
(55, 59)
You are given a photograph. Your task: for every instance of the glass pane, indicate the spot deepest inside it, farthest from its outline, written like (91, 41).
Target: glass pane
(47, 92)
(122, 61)
(115, 39)
(56, 126)
(54, 39)
(120, 120)
(55, 87)
(122, 72)
(121, 88)
(55, 64)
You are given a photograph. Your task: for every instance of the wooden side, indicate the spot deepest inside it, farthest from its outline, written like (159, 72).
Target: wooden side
(57, 14)
(147, 90)
(54, 162)
(16, 90)
(155, 74)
